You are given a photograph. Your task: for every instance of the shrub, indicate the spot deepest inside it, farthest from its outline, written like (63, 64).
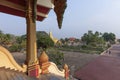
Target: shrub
(55, 56)
(15, 48)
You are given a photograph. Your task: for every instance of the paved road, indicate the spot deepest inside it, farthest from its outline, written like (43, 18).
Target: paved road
(113, 51)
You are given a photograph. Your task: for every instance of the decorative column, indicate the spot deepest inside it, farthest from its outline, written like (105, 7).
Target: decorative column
(31, 57)
(66, 72)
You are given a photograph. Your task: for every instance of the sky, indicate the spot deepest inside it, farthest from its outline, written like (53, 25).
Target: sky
(80, 16)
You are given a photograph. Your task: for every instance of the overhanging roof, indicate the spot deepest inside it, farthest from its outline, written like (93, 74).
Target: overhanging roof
(18, 8)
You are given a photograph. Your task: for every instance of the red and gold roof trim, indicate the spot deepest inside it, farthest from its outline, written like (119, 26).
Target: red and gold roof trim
(18, 8)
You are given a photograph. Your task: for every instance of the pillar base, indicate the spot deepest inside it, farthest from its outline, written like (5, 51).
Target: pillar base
(44, 67)
(33, 71)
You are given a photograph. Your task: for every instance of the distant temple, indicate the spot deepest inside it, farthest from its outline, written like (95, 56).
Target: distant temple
(55, 40)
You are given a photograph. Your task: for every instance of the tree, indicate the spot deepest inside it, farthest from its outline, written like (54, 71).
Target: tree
(62, 40)
(109, 37)
(5, 39)
(92, 38)
(112, 36)
(66, 39)
(43, 40)
(87, 37)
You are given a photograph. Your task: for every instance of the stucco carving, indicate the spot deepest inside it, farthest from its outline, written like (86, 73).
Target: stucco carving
(7, 61)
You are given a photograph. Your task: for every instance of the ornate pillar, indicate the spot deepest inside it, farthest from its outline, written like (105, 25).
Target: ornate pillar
(31, 57)
(66, 72)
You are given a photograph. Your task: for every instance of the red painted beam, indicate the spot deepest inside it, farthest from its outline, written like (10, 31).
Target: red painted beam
(14, 10)
(43, 9)
(11, 11)
(20, 2)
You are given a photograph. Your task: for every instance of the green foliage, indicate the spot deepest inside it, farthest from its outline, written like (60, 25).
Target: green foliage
(95, 41)
(21, 40)
(91, 43)
(91, 38)
(62, 40)
(70, 48)
(19, 44)
(5, 39)
(83, 49)
(55, 55)
(84, 46)
(110, 37)
(43, 40)
(15, 48)
(66, 39)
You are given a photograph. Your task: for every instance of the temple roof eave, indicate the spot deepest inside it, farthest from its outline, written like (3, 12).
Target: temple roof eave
(18, 8)
(46, 3)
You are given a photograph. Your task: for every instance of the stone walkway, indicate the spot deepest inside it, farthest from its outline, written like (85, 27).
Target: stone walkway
(105, 67)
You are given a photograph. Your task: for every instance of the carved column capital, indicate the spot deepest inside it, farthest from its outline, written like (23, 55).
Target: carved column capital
(29, 10)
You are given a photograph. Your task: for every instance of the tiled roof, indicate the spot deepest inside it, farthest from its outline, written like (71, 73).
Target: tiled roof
(103, 68)
(8, 74)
